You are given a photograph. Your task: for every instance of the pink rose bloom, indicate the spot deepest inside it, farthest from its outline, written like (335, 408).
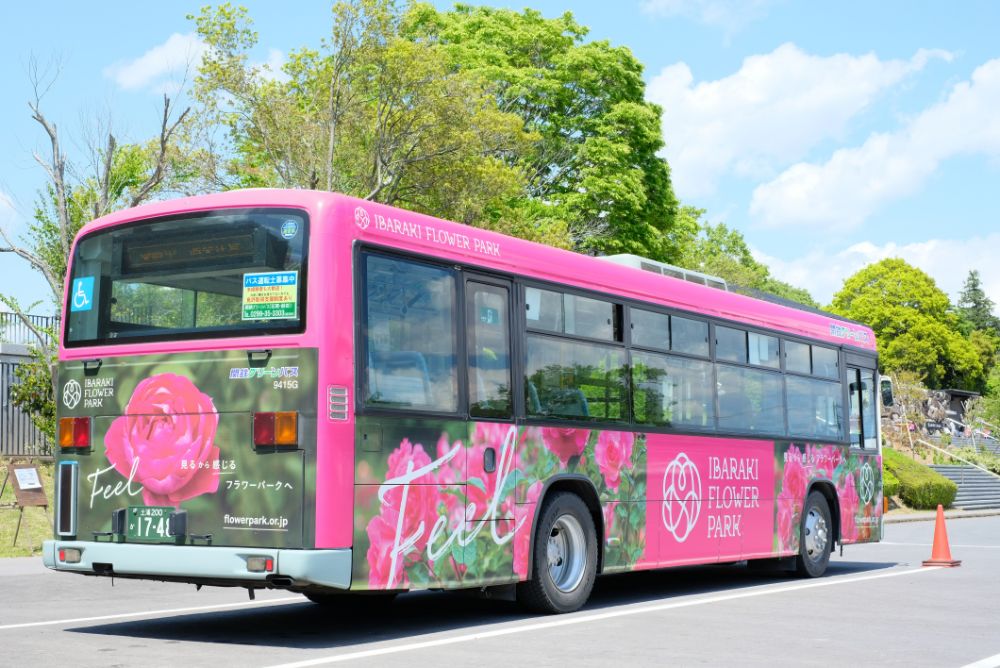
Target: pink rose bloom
(849, 503)
(612, 452)
(419, 516)
(168, 434)
(823, 459)
(795, 478)
(451, 475)
(787, 526)
(609, 518)
(524, 517)
(565, 442)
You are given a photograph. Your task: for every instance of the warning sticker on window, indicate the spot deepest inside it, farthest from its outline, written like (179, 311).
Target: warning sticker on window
(272, 295)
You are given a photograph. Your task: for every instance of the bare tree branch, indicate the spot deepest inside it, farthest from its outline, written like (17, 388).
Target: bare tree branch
(166, 132)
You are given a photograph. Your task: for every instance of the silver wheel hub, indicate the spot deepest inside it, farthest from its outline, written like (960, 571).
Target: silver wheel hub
(566, 553)
(817, 534)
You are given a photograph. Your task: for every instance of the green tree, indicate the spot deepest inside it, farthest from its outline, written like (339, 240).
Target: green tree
(124, 175)
(975, 307)
(368, 113)
(721, 251)
(913, 322)
(594, 165)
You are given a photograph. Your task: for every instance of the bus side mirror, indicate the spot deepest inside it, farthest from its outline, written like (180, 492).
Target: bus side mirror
(886, 387)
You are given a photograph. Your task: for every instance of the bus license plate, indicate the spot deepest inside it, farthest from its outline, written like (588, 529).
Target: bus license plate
(149, 522)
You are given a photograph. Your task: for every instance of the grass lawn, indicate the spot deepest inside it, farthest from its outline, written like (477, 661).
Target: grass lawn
(36, 525)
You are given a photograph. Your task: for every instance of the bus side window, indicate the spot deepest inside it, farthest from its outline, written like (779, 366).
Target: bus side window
(869, 407)
(488, 325)
(409, 326)
(574, 379)
(855, 392)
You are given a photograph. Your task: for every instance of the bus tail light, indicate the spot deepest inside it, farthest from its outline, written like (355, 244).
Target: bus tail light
(276, 429)
(74, 432)
(69, 555)
(260, 564)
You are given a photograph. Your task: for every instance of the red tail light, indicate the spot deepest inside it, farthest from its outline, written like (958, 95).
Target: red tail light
(281, 428)
(263, 429)
(74, 432)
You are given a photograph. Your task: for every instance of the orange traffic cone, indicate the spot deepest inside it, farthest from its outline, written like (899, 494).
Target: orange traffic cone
(941, 553)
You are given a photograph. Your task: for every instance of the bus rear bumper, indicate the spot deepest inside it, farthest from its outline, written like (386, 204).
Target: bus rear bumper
(203, 564)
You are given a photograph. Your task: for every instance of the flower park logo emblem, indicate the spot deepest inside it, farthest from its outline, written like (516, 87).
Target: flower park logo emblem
(71, 394)
(361, 218)
(866, 483)
(681, 497)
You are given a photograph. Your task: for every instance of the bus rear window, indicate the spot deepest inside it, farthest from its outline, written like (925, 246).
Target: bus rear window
(231, 273)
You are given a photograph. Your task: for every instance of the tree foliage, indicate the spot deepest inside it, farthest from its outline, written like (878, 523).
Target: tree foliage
(594, 164)
(117, 176)
(368, 113)
(721, 251)
(913, 322)
(975, 308)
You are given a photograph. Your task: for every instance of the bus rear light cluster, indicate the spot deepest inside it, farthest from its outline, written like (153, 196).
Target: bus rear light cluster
(276, 429)
(74, 432)
(260, 564)
(69, 555)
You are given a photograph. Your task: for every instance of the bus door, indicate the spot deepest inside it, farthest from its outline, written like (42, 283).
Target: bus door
(490, 460)
(867, 472)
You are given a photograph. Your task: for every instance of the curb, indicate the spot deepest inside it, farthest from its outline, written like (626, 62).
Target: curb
(952, 515)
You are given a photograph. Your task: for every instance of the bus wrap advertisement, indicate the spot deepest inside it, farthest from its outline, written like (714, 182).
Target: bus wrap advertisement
(175, 432)
(428, 513)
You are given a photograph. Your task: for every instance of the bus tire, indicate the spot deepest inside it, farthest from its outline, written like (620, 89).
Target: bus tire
(564, 558)
(815, 540)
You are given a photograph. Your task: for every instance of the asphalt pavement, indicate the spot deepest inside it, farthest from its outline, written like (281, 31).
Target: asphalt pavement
(876, 607)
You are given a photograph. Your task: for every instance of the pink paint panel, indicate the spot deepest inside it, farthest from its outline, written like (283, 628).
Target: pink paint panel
(709, 499)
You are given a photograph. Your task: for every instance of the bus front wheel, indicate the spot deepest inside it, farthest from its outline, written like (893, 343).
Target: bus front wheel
(564, 558)
(815, 540)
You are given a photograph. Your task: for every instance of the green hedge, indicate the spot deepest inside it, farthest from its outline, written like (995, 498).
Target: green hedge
(919, 486)
(890, 483)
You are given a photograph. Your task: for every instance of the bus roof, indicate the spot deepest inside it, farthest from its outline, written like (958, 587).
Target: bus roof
(414, 232)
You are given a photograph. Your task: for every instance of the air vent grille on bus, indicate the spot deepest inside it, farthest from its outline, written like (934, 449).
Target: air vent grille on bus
(336, 399)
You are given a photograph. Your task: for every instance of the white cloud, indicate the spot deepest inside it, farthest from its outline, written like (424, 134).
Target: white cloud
(857, 181)
(769, 113)
(947, 261)
(730, 15)
(162, 67)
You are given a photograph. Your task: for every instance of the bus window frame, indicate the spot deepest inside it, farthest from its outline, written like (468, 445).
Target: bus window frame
(519, 331)
(360, 274)
(207, 334)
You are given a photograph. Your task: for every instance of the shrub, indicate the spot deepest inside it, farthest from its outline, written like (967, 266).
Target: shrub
(987, 460)
(890, 483)
(919, 486)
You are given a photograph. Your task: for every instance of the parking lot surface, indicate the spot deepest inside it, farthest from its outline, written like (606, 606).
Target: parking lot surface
(876, 606)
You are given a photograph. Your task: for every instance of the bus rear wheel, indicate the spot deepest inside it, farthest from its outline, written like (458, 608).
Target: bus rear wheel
(815, 540)
(564, 557)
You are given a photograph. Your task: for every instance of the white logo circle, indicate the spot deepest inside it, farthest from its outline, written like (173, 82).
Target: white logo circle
(681, 497)
(866, 483)
(71, 394)
(361, 218)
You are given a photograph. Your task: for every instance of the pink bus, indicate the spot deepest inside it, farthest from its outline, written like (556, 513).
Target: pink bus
(306, 391)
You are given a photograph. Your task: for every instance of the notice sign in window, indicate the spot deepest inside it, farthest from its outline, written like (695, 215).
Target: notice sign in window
(273, 295)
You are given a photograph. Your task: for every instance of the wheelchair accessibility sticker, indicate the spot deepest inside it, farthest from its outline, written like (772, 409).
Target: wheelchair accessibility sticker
(82, 297)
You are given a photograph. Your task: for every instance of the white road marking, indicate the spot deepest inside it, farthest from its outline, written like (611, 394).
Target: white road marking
(584, 618)
(953, 545)
(143, 613)
(988, 662)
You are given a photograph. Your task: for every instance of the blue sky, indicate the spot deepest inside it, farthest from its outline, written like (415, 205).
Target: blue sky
(830, 134)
